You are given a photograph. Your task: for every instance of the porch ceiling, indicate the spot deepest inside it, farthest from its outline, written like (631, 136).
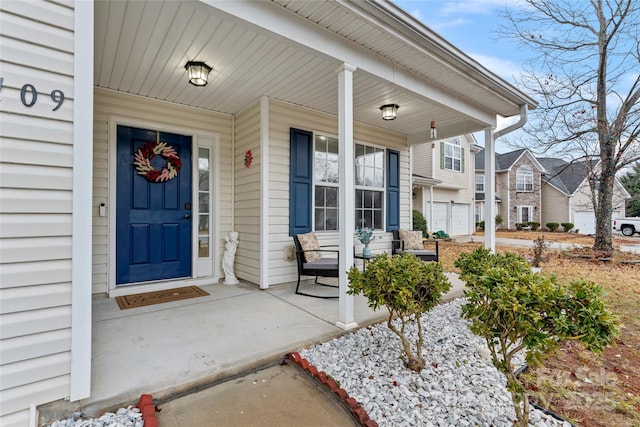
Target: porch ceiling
(141, 48)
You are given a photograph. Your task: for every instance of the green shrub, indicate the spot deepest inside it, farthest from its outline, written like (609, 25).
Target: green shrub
(534, 225)
(480, 225)
(514, 309)
(567, 226)
(408, 287)
(552, 226)
(498, 220)
(519, 225)
(420, 223)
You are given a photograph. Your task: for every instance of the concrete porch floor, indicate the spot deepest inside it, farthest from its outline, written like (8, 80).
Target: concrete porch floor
(176, 348)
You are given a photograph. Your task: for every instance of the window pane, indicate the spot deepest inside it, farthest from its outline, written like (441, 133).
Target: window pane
(378, 178)
(332, 219)
(319, 219)
(359, 198)
(320, 196)
(368, 219)
(203, 224)
(203, 169)
(377, 220)
(203, 247)
(368, 200)
(331, 197)
(332, 168)
(379, 161)
(377, 199)
(204, 202)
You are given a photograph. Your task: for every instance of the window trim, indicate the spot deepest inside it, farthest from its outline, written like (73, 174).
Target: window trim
(481, 184)
(455, 143)
(382, 190)
(315, 184)
(520, 173)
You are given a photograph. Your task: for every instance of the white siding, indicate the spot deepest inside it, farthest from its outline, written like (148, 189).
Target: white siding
(247, 194)
(422, 163)
(285, 116)
(35, 207)
(144, 110)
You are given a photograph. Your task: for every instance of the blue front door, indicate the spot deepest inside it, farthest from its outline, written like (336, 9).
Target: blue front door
(153, 205)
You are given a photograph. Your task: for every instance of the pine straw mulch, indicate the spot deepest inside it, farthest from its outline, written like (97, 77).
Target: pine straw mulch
(586, 389)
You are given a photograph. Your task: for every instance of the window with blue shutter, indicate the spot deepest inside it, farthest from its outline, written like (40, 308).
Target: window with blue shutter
(393, 190)
(300, 181)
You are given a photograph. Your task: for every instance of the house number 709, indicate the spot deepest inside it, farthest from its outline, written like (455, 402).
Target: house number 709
(29, 95)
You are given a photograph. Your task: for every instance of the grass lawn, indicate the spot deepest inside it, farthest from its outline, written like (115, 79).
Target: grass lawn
(586, 389)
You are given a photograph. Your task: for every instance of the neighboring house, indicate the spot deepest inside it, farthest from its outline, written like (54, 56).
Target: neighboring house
(518, 187)
(566, 194)
(286, 137)
(443, 183)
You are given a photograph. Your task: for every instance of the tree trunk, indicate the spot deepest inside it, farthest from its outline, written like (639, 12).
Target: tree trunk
(603, 208)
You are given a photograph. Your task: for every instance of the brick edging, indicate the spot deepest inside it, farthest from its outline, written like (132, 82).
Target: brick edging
(148, 410)
(321, 377)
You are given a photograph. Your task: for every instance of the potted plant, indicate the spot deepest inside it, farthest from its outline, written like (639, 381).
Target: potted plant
(365, 236)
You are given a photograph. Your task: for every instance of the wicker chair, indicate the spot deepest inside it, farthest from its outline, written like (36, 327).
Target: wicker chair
(397, 248)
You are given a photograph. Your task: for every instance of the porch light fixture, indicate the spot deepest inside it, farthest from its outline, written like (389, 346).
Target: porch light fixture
(389, 111)
(198, 73)
(434, 131)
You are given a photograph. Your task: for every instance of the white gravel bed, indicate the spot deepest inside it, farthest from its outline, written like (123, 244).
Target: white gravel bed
(124, 417)
(459, 386)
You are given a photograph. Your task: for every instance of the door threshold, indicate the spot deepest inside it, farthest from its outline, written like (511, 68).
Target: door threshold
(130, 289)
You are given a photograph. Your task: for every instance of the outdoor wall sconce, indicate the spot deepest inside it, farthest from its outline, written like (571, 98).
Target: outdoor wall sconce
(389, 111)
(198, 73)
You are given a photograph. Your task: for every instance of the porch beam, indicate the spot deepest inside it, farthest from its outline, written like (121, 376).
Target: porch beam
(489, 190)
(292, 28)
(346, 201)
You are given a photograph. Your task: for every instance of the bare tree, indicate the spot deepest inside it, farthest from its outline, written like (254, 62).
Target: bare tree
(585, 73)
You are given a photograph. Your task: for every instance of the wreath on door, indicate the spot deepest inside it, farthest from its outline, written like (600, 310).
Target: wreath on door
(142, 162)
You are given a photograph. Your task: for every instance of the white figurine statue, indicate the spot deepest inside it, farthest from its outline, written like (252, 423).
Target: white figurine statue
(229, 257)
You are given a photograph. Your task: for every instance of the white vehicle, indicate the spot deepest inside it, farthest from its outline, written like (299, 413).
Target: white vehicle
(627, 226)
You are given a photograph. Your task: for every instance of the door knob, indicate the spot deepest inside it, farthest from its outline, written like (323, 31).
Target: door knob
(187, 216)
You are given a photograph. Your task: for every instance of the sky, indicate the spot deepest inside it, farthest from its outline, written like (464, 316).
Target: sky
(471, 26)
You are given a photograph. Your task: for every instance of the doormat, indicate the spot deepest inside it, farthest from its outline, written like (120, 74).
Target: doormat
(159, 297)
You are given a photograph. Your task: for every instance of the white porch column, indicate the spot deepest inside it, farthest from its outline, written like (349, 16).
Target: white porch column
(489, 190)
(81, 309)
(346, 201)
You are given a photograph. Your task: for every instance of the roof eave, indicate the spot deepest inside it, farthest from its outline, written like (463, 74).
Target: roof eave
(412, 28)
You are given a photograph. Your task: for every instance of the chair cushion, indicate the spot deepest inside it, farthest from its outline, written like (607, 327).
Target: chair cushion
(418, 253)
(322, 264)
(309, 242)
(412, 239)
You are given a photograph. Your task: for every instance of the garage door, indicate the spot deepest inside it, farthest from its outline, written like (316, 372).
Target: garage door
(440, 215)
(585, 221)
(460, 219)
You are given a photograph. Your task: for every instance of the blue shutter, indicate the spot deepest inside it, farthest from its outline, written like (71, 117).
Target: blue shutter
(393, 190)
(300, 181)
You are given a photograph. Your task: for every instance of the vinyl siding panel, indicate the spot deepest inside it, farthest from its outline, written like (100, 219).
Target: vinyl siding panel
(143, 110)
(454, 179)
(422, 154)
(247, 194)
(36, 145)
(555, 205)
(282, 117)
(36, 345)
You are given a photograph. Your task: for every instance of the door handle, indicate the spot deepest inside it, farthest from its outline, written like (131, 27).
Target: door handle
(187, 216)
